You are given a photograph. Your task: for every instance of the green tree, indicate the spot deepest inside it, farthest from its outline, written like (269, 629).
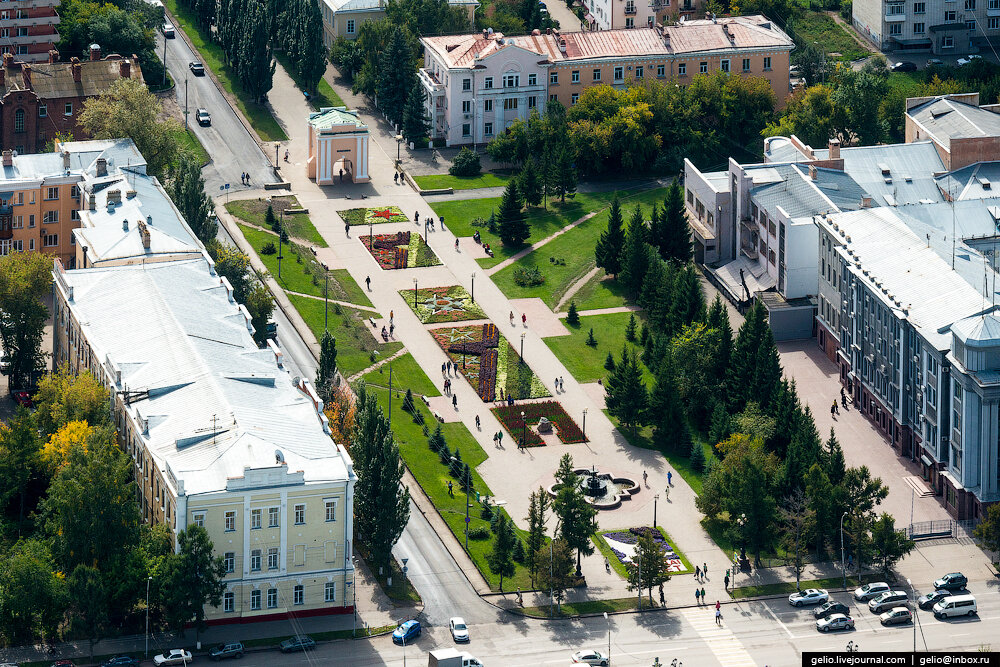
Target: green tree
(90, 613)
(187, 190)
(860, 94)
(395, 79)
(381, 502)
(260, 305)
(687, 302)
(466, 163)
(514, 229)
(128, 109)
(25, 279)
(193, 578)
(254, 60)
(796, 517)
(862, 494)
(302, 40)
(554, 568)
(626, 393)
(562, 174)
(666, 414)
(427, 17)
(63, 397)
(810, 114)
(529, 183)
(690, 355)
(836, 464)
(20, 446)
(608, 252)
(578, 520)
(501, 558)
(326, 373)
(988, 530)
(572, 317)
(32, 595)
(649, 567)
(416, 122)
(537, 505)
(718, 319)
(888, 544)
(565, 473)
(804, 449)
(823, 505)
(635, 260)
(347, 55)
(234, 266)
(756, 370)
(676, 242)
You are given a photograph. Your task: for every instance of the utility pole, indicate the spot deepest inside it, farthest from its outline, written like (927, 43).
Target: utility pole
(164, 60)
(467, 485)
(185, 103)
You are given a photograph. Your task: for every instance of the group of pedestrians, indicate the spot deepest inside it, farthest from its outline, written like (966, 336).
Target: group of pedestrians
(701, 573)
(524, 319)
(498, 442)
(245, 178)
(559, 384)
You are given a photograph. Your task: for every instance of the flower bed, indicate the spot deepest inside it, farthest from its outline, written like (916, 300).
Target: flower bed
(488, 375)
(565, 428)
(622, 545)
(443, 304)
(372, 216)
(402, 250)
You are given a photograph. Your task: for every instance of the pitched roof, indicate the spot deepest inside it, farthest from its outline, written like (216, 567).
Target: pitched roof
(55, 80)
(945, 118)
(334, 116)
(727, 33)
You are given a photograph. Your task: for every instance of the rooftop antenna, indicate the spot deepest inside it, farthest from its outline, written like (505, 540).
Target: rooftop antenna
(953, 224)
(213, 428)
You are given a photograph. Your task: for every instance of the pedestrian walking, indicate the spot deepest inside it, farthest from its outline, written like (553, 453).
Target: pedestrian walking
(718, 605)
(341, 171)
(670, 477)
(663, 600)
(456, 245)
(442, 368)
(666, 493)
(477, 422)
(501, 394)
(524, 319)
(556, 381)
(454, 401)
(416, 216)
(697, 572)
(368, 283)
(392, 327)
(726, 580)
(347, 230)
(450, 492)
(520, 601)
(833, 410)
(500, 435)
(704, 569)
(697, 596)
(512, 318)
(718, 616)
(448, 365)
(645, 476)
(395, 178)
(341, 174)
(441, 220)
(607, 565)
(702, 593)
(392, 316)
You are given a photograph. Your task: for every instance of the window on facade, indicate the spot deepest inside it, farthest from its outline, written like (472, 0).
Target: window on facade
(255, 516)
(466, 85)
(466, 132)
(993, 4)
(350, 26)
(619, 73)
(895, 28)
(230, 521)
(43, 110)
(992, 23)
(19, 120)
(918, 28)
(894, 9)
(661, 70)
(574, 76)
(331, 510)
(510, 103)
(574, 98)
(703, 67)
(682, 69)
(950, 15)
(629, 22)
(919, 8)
(273, 517)
(330, 591)
(970, 5)
(255, 560)
(970, 25)
(50, 217)
(300, 514)
(597, 75)
(746, 64)
(554, 79)
(298, 594)
(255, 600)
(52, 193)
(228, 601)
(68, 109)
(199, 519)
(51, 240)
(639, 72)
(487, 105)
(532, 101)
(724, 65)
(488, 82)
(511, 80)
(272, 558)
(230, 561)
(466, 106)
(947, 42)
(488, 129)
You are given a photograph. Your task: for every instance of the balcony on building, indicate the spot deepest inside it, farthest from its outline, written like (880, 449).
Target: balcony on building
(749, 237)
(39, 20)
(630, 10)
(6, 224)
(431, 83)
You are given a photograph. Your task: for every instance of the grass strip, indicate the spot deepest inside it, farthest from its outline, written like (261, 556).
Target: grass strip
(784, 587)
(442, 181)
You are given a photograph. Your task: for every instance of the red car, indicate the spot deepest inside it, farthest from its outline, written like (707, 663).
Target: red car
(22, 398)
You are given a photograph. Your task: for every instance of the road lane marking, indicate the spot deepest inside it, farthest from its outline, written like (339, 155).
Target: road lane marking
(779, 622)
(720, 639)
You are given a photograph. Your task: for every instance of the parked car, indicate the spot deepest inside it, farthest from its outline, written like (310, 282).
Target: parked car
(231, 650)
(835, 622)
(886, 601)
(934, 61)
(121, 661)
(904, 66)
(459, 630)
(63, 663)
(968, 59)
(168, 30)
(176, 656)
(868, 591)
(896, 616)
(956, 605)
(197, 68)
(297, 643)
(953, 581)
(406, 632)
(830, 608)
(931, 599)
(22, 397)
(591, 657)
(204, 118)
(808, 596)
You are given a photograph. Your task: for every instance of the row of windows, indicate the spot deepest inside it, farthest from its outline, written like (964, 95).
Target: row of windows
(298, 597)
(273, 516)
(43, 112)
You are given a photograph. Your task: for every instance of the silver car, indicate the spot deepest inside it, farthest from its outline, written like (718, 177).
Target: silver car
(868, 591)
(591, 657)
(835, 622)
(176, 656)
(808, 596)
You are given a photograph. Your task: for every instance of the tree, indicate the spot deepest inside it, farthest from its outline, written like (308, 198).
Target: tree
(718, 319)
(537, 505)
(554, 565)
(608, 251)
(25, 278)
(127, 109)
(626, 393)
(675, 245)
(988, 530)
(514, 229)
(810, 114)
(823, 506)
(416, 122)
(888, 544)
(530, 183)
(193, 578)
(381, 502)
(302, 40)
(501, 558)
(562, 174)
(836, 464)
(666, 413)
(32, 595)
(690, 355)
(635, 257)
(63, 397)
(252, 54)
(804, 450)
(187, 190)
(565, 474)
(578, 520)
(19, 459)
(755, 371)
(260, 305)
(860, 95)
(796, 516)
(326, 373)
(649, 567)
(687, 301)
(395, 79)
(572, 317)
(466, 163)
(56, 452)
(862, 494)
(90, 614)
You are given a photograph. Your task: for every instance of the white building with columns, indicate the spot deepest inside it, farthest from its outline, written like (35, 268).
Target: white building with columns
(338, 147)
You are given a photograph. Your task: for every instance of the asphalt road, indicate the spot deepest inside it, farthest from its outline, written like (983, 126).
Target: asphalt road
(231, 146)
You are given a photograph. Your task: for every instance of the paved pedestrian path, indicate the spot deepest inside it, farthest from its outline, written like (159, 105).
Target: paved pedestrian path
(374, 367)
(725, 646)
(576, 287)
(345, 304)
(538, 244)
(603, 311)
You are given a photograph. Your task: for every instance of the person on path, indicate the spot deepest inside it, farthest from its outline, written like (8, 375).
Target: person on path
(557, 384)
(520, 602)
(512, 318)
(368, 283)
(607, 565)
(670, 478)
(843, 398)
(666, 493)
(704, 569)
(726, 581)
(702, 593)
(341, 174)
(450, 492)
(718, 605)
(392, 327)
(836, 408)
(347, 230)
(697, 596)
(448, 366)
(663, 600)
(477, 422)
(718, 616)
(645, 475)
(395, 178)
(341, 171)
(501, 394)
(500, 435)
(697, 572)
(562, 383)
(833, 410)
(416, 216)
(456, 245)
(524, 319)
(392, 316)
(454, 401)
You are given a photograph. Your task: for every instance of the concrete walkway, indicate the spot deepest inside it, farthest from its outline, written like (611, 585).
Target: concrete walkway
(538, 244)
(603, 311)
(576, 287)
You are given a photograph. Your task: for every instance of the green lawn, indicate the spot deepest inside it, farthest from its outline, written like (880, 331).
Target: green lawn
(298, 225)
(785, 587)
(619, 567)
(586, 363)
(188, 141)
(325, 95)
(406, 374)
(344, 288)
(569, 257)
(354, 343)
(811, 26)
(569, 609)
(441, 181)
(213, 58)
(601, 291)
(679, 461)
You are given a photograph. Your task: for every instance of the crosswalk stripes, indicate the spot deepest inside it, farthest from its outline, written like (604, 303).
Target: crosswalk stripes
(720, 639)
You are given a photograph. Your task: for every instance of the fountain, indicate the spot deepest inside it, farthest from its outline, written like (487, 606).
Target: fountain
(594, 486)
(602, 490)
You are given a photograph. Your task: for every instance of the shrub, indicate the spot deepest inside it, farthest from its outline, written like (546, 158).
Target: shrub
(591, 341)
(268, 248)
(486, 509)
(479, 533)
(572, 317)
(697, 456)
(479, 222)
(519, 554)
(528, 277)
(466, 163)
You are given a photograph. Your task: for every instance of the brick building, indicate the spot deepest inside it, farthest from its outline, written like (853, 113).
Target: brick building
(28, 28)
(39, 100)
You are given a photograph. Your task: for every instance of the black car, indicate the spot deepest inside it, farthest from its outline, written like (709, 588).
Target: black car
(831, 607)
(121, 661)
(231, 650)
(953, 581)
(905, 66)
(297, 643)
(197, 69)
(929, 600)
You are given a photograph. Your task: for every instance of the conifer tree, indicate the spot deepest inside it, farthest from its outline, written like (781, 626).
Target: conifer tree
(187, 190)
(608, 251)
(501, 558)
(572, 317)
(666, 413)
(395, 77)
(676, 238)
(513, 226)
(635, 257)
(626, 394)
(416, 124)
(530, 183)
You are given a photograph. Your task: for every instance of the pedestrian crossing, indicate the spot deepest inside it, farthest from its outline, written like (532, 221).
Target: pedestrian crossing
(720, 639)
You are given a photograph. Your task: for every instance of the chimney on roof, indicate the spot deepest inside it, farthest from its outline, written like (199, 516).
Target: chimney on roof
(26, 74)
(53, 56)
(95, 51)
(485, 34)
(92, 201)
(115, 197)
(562, 45)
(866, 202)
(124, 68)
(834, 146)
(8, 59)
(8, 158)
(124, 222)
(812, 172)
(76, 67)
(102, 166)
(144, 231)
(149, 220)
(65, 157)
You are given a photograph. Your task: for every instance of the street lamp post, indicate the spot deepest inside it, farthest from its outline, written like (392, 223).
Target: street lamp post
(326, 297)
(913, 594)
(276, 144)
(655, 498)
(473, 287)
(609, 636)
(148, 579)
(468, 485)
(415, 295)
(371, 238)
(399, 140)
(585, 424)
(280, 256)
(522, 347)
(843, 562)
(524, 431)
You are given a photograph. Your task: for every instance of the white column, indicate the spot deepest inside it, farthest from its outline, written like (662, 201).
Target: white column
(361, 168)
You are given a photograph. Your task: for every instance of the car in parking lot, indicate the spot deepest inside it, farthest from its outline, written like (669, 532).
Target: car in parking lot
(204, 118)
(808, 596)
(197, 68)
(168, 30)
(835, 622)
(175, 656)
(886, 601)
(830, 608)
(903, 66)
(969, 59)
(121, 661)
(591, 657)
(63, 663)
(896, 616)
(459, 630)
(953, 581)
(230, 650)
(297, 643)
(934, 61)
(956, 605)
(868, 591)
(406, 632)
(929, 600)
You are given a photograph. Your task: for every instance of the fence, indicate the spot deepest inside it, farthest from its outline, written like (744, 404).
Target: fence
(929, 530)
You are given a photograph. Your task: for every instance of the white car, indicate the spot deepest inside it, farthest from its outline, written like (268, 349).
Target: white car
(459, 631)
(868, 591)
(168, 30)
(591, 657)
(969, 59)
(176, 656)
(808, 596)
(835, 622)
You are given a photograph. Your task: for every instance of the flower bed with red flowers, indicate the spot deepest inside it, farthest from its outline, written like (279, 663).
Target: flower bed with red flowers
(565, 428)
(491, 335)
(400, 250)
(488, 375)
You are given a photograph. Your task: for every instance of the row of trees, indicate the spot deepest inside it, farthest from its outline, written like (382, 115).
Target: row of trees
(74, 553)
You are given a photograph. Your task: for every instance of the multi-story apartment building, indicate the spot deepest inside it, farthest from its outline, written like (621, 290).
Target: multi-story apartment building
(616, 14)
(478, 84)
(343, 18)
(40, 100)
(942, 27)
(28, 28)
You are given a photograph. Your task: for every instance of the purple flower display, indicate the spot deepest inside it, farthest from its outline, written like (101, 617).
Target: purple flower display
(631, 536)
